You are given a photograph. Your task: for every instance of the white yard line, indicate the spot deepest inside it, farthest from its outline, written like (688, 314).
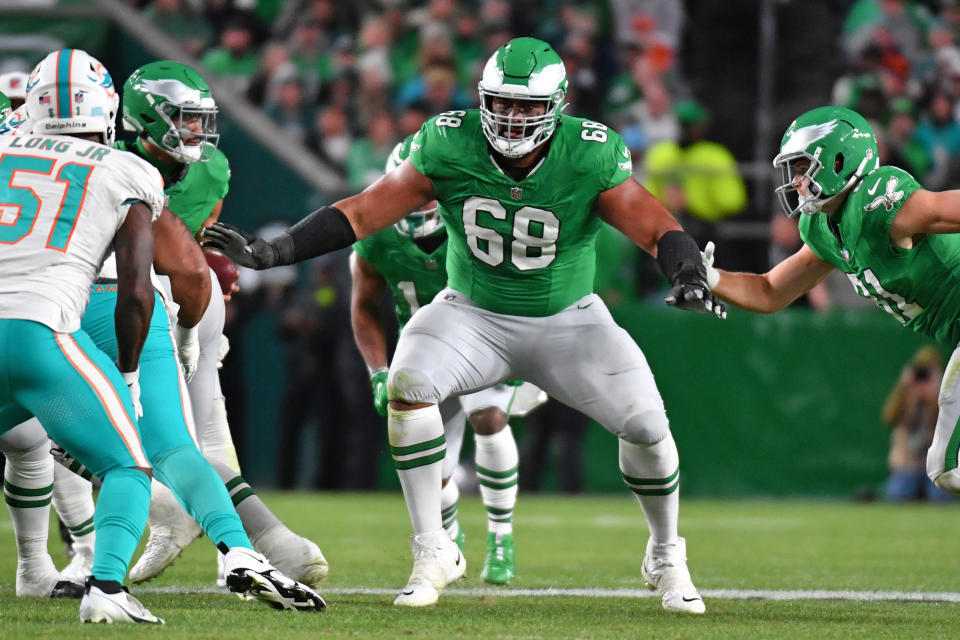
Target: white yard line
(724, 594)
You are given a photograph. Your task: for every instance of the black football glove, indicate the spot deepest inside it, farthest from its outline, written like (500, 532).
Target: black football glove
(691, 292)
(243, 248)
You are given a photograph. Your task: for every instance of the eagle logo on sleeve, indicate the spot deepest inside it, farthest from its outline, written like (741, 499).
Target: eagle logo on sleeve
(889, 198)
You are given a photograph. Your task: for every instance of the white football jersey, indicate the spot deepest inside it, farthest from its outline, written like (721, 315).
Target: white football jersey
(62, 200)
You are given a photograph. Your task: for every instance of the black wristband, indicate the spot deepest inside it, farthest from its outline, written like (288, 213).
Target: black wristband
(326, 229)
(677, 249)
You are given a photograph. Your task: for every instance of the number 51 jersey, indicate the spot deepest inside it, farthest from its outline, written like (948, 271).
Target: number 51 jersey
(62, 200)
(520, 247)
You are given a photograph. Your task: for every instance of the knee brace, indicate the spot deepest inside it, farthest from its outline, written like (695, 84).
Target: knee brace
(406, 384)
(646, 428)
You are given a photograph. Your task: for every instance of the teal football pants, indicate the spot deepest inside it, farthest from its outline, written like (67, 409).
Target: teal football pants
(77, 393)
(166, 424)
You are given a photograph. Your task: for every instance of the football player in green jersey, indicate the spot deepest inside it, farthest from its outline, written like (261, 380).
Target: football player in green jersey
(893, 239)
(5, 108)
(410, 258)
(170, 107)
(522, 192)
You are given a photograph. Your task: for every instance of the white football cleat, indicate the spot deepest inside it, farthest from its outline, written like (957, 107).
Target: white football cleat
(437, 562)
(166, 542)
(664, 570)
(98, 606)
(294, 555)
(248, 572)
(81, 565)
(221, 574)
(37, 577)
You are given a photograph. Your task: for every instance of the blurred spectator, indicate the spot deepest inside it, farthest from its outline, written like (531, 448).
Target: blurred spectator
(638, 21)
(697, 179)
(369, 154)
(275, 64)
(236, 58)
(288, 109)
(887, 24)
(225, 14)
(939, 133)
(176, 18)
(412, 118)
(259, 291)
(911, 413)
(900, 146)
(326, 389)
(309, 47)
(330, 138)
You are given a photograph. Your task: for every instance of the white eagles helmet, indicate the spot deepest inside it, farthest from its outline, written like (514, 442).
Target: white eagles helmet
(14, 86)
(422, 222)
(524, 69)
(70, 92)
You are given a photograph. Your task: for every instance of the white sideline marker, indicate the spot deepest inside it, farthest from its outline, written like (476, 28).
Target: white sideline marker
(722, 594)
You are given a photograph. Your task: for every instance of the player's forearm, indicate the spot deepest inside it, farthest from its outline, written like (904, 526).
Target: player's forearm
(177, 255)
(132, 323)
(370, 337)
(326, 229)
(191, 291)
(749, 291)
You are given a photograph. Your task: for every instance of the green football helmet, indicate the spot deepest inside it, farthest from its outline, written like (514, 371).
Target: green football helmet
(423, 222)
(170, 104)
(4, 106)
(840, 147)
(523, 69)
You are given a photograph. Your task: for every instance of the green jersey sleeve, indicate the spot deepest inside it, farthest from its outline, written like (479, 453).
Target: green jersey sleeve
(614, 164)
(881, 195)
(218, 170)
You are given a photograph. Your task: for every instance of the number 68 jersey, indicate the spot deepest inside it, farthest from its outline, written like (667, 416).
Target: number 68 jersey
(62, 200)
(520, 247)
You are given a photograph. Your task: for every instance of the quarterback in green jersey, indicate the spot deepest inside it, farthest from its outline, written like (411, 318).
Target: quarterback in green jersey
(893, 239)
(170, 107)
(523, 192)
(410, 258)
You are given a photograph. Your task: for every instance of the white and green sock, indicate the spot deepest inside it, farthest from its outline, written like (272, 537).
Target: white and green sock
(449, 495)
(73, 500)
(28, 489)
(497, 460)
(214, 438)
(653, 474)
(256, 516)
(418, 447)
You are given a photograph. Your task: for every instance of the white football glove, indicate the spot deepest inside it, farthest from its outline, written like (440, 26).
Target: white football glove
(713, 276)
(188, 349)
(132, 378)
(222, 350)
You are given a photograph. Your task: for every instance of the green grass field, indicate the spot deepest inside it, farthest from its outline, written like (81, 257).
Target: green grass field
(841, 552)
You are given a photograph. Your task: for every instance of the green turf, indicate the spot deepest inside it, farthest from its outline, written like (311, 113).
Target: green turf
(587, 542)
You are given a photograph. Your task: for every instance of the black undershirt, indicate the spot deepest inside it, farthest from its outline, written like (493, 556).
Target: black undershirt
(431, 243)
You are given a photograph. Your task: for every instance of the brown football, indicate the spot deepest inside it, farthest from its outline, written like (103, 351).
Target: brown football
(224, 267)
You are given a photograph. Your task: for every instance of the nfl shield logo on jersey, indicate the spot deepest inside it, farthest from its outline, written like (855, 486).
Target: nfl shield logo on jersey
(516, 193)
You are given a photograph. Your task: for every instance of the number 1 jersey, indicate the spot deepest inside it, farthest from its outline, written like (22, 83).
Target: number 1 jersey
(62, 200)
(520, 247)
